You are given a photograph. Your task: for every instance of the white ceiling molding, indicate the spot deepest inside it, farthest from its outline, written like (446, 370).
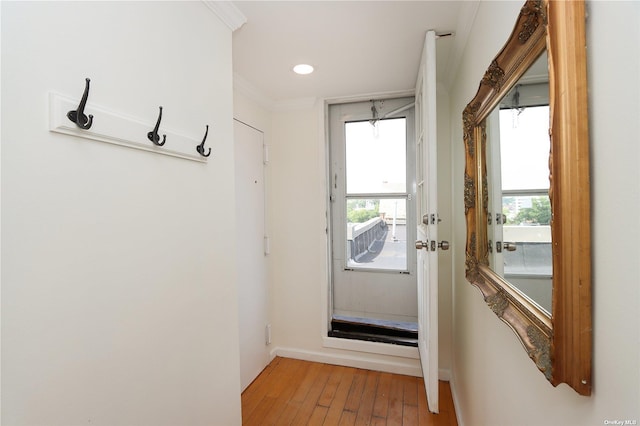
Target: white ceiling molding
(295, 104)
(241, 85)
(227, 12)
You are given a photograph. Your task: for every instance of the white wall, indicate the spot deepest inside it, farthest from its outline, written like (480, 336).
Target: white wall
(297, 221)
(118, 281)
(493, 378)
(250, 111)
(445, 233)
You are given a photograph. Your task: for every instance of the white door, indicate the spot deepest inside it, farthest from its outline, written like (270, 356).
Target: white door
(427, 227)
(495, 219)
(251, 268)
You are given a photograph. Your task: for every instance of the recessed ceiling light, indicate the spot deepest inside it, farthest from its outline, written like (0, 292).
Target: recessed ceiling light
(303, 69)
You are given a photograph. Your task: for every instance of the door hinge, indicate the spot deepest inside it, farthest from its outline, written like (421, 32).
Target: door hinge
(267, 245)
(267, 334)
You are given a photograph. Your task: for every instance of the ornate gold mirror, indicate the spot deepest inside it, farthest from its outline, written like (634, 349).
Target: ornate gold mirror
(528, 231)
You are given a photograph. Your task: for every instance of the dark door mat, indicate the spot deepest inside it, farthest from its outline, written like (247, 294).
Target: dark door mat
(374, 330)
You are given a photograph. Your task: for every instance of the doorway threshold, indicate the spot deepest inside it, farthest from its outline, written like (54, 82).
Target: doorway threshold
(374, 330)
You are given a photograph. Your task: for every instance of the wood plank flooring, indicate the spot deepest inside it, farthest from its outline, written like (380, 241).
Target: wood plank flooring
(296, 392)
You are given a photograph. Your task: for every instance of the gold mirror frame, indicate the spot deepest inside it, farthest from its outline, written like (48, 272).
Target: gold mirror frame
(559, 345)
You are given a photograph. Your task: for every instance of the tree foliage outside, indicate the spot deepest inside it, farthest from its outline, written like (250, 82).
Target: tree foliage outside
(539, 213)
(359, 211)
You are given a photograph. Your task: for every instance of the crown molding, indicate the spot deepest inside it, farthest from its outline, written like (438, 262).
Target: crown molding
(227, 12)
(241, 85)
(296, 104)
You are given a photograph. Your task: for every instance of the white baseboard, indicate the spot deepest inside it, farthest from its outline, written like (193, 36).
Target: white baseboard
(456, 403)
(377, 348)
(444, 375)
(407, 366)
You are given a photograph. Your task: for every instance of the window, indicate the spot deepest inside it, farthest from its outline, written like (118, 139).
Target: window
(376, 195)
(526, 209)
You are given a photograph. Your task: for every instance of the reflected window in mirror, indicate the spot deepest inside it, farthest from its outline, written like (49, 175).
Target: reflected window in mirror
(559, 343)
(519, 208)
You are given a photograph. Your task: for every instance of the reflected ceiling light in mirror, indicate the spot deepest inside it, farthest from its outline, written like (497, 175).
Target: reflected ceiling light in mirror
(303, 69)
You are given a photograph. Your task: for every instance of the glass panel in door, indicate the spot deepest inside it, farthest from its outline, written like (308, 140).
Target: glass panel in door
(376, 156)
(376, 194)
(377, 233)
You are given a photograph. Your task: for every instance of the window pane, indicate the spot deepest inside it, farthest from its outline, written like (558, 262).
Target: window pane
(525, 210)
(528, 228)
(529, 258)
(524, 148)
(377, 233)
(376, 156)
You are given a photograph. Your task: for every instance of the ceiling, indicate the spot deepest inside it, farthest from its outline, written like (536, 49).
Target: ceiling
(356, 47)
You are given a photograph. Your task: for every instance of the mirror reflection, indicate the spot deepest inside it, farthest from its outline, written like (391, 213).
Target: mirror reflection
(519, 210)
(516, 283)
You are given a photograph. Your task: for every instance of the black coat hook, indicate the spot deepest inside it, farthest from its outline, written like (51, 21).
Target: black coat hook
(78, 116)
(200, 148)
(154, 136)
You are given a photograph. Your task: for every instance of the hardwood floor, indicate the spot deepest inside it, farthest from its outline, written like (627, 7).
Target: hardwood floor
(296, 392)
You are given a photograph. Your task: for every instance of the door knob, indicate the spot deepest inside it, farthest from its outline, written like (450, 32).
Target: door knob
(509, 246)
(422, 244)
(444, 245)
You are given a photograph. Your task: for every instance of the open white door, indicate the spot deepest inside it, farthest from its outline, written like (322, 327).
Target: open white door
(495, 216)
(427, 197)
